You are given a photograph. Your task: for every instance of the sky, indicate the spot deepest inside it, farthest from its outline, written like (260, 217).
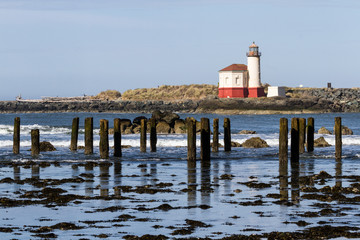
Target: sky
(71, 48)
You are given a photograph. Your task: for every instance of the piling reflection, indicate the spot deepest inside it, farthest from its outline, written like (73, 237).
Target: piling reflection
(153, 172)
(89, 175)
(17, 173)
(283, 179)
(35, 171)
(104, 180)
(205, 182)
(191, 165)
(227, 183)
(295, 188)
(338, 173)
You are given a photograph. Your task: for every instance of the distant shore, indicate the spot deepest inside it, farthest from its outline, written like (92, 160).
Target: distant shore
(314, 100)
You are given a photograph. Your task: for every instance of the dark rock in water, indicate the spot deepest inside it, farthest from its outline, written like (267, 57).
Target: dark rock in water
(137, 120)
(166, 116)
(128, 130)
(255, 142)
(247, 132)
(235, 144)
(323, 130)
(46, 147)
(125, 123)
(321, 142)
(162, 127)
(179, 126)
(345, 130)
(219, 145)
(136, 129)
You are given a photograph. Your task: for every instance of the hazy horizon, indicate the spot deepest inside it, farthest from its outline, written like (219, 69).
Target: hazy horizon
(71, 48)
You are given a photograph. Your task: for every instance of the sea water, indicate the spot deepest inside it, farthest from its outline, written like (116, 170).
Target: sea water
(224, 197)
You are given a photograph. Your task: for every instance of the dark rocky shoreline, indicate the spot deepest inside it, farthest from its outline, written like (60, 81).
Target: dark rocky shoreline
(300, 101)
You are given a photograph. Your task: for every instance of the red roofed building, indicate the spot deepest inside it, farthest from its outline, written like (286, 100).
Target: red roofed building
(241, 81)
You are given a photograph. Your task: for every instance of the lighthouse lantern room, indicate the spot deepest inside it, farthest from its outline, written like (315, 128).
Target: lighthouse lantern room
(239, 80)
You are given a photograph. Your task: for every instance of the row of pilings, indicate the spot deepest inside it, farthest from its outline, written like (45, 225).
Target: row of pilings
(205, 134)
(301, 131)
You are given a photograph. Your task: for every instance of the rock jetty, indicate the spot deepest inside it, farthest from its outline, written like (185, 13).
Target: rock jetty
(298, 101)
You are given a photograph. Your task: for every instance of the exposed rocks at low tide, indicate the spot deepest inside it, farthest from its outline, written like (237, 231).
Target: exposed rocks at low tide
(298, 100)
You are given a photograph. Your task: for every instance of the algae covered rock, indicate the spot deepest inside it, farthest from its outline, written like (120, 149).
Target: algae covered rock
(162, 127)
(255, 142)
(235, 144)
(46, 147)
(321, 142)
(323, 130)
(345, 130)
(179, 126)
(247, 132)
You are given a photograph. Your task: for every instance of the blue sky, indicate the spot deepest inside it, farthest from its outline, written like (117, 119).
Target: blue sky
(71, 48)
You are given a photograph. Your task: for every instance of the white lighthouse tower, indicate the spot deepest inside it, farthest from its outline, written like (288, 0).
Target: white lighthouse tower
(255, 89)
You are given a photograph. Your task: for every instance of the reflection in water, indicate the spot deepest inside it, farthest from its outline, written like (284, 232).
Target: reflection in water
(338, 173)
(35, 171)
(104, 180)
(295, 188)
(205, 183)
(227, 183)
(117, 178)
(16, 173)
(153, 172)
(215, 172)
(89, 170)
(191, 183)
(143, 169)
(283, 179)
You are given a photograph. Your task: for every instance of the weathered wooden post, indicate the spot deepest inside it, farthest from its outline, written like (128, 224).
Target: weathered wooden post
(283, 141)
(16, 138)
(104, 139)
(89, 136)
(74, 134)
(302, 136)
(153, 136)
(35, 142)
(205, 140)
(191, 141)
(215, 147)
(338, 140)
(227, 135)
(117, 138)
(294, 140)
(310, 134)
(143, 135)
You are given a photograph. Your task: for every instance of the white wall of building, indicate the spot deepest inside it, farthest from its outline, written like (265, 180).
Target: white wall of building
(254, 71)
(233, 79)
(274, 91)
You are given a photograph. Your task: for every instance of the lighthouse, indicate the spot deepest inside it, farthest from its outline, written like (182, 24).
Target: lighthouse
(241, 81)
(255, 89)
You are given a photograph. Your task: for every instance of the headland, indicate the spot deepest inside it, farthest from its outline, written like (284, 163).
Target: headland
(199, 100)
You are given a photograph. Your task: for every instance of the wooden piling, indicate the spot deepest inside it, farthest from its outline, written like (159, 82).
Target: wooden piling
(191, 139)
(153, 136)
(117, 138)
(35, 142)
(16, 138)
(310, 134)
(104, 139)
(338, 138)
(227, 135)
(143, 136)
(205, 140)
(302, 136)
(74, 134)
(89, 136)
(294, 140)
(215, 147)
(283, 141)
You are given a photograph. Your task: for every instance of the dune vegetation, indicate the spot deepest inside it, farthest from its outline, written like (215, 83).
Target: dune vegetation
(108, 95)
(167, 92)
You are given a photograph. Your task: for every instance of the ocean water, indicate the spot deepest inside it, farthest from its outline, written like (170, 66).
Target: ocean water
(215, 195)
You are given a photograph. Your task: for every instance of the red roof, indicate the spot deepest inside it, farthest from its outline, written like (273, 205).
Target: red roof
(235, 67)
